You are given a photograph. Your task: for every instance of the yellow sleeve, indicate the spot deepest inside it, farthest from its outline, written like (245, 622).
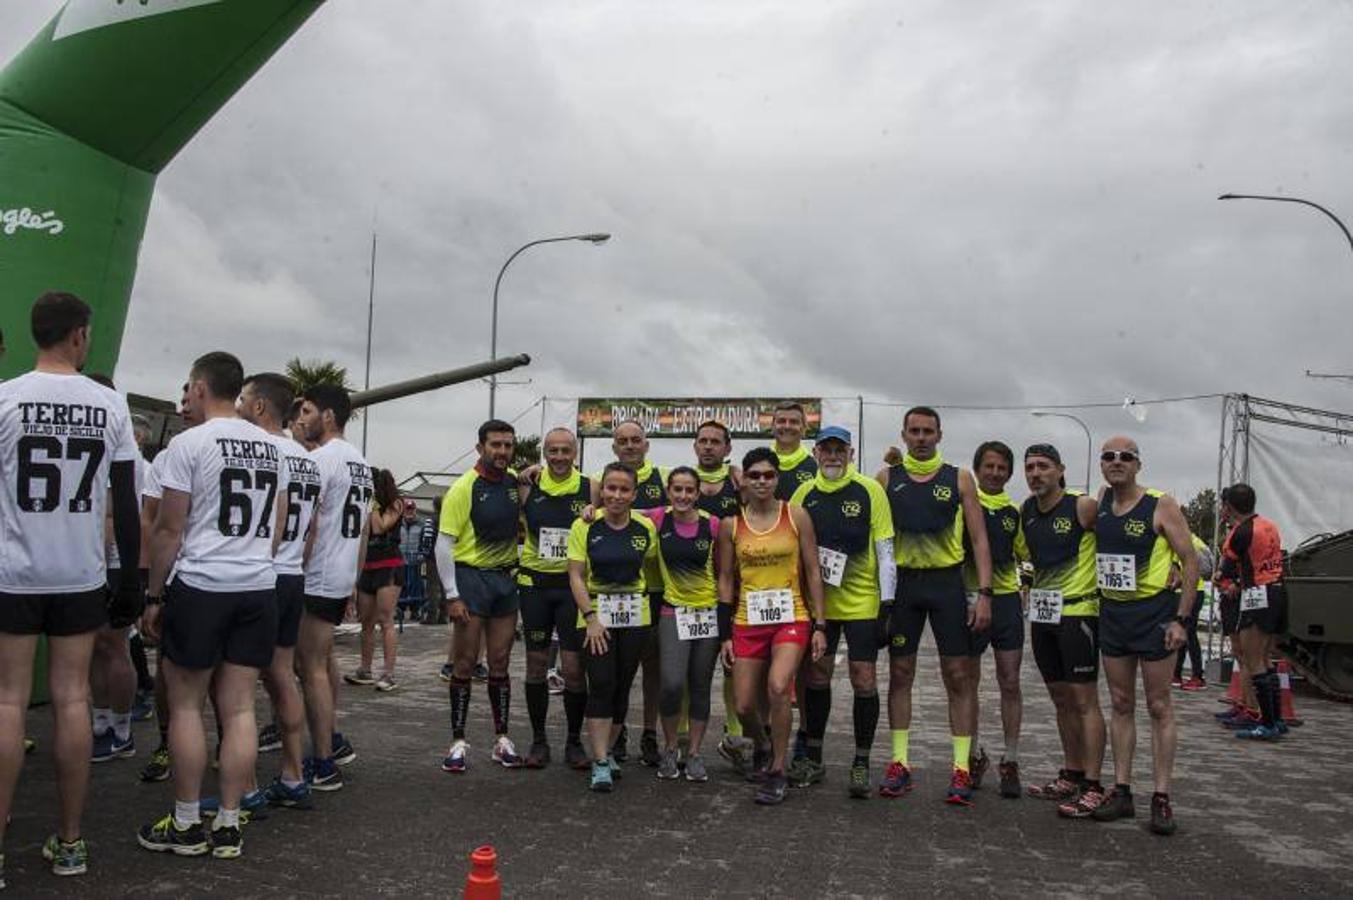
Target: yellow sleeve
(577, 541)
(880, 514)
(1021, 546)
(456, 506)
(800, 492)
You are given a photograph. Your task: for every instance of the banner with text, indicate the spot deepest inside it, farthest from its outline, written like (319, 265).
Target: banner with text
(745, 417)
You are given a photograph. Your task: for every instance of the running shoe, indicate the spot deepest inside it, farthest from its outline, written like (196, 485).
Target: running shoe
(226, 842)
(800, 750)
(575, 757)
(158, 768)
(279, 794)
(771, 791)
(620, 750)
(896, 780)
(457, 758)
(325, 776)
(760, 762)
(648, 748)
(695, 769)
(602, 781)
(164, 836)
(108, 748)
(735, 750)
(805, 772)
(269, 739)
(554, 681)
(616, 771)
(1242, 719)
(1010, 786)
(481, 671)
(1084, 806)
(667, 766)
(445, 673)
(1260, 732)
(1058, 789)
(359, 676)
(1177, 683)
(977, 767)
(538, 757)
(341, 750)
(386, 683)
(66, 858)
(251, 802)
(859, 781)
(1194, 684)
(960, 788)
(143, 710)
(1162, 816)
(505, 753)
(1117, 805)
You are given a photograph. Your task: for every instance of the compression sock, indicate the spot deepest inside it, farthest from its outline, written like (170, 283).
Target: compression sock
(866, 716)
(962, 751)
(575, 705)
(500, 700)
(900, 739)
(460, 706)
(537, 706)
(817, 702)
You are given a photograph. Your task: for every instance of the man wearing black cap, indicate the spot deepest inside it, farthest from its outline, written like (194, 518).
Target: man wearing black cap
(854, 530)
(1057, 533)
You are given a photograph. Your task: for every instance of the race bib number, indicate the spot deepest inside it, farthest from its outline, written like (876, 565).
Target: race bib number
(1253, 598)
(696, 624)
(770, 607)
(553, 543)
(1116, 571)
(833, 565)
(1045, 607)
(621, 610)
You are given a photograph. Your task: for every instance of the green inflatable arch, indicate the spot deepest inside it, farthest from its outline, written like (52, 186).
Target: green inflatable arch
(90, 112)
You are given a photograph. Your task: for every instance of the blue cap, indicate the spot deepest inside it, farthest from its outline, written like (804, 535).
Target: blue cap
(834, 433)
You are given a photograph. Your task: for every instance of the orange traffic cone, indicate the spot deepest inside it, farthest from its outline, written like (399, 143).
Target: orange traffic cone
(482, 882)
(1234, 694)
(1289, 712)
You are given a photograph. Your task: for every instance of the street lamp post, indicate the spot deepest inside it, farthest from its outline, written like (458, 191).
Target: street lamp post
(1089, 441)
(594, 238)
(1332, 216)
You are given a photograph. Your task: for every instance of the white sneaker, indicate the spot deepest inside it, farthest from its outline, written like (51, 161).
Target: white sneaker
(456, 761)
(505, 754)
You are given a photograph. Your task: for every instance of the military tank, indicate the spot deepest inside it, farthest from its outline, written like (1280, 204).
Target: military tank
(1319, 636)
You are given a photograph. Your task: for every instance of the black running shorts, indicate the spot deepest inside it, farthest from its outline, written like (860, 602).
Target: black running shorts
(1006, 631)
(1272, 619)
(862, 638)
(547, 608)
(200, 629)
(1137, 627)
(330, 609)
(56, 615)
(290, 603)
(372, 580)
(936, 595)
(1067, 650)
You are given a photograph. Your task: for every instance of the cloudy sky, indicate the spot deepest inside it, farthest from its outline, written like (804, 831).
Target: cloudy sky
(965, 204)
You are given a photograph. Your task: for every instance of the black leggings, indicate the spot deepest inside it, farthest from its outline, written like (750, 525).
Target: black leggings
(1194, 651)
(610, 675)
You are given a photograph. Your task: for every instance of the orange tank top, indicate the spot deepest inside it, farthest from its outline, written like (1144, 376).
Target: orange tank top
(768, 562)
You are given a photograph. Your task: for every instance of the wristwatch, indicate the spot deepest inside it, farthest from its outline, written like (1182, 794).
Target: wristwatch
(986, 592)
(820, 626)
(1186, 621)
(154, 600)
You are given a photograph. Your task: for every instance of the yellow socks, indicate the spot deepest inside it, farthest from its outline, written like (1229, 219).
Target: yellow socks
(962, 751)
(900, 738)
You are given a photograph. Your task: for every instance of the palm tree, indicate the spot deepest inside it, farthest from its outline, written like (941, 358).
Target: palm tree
(526, 452)
(305, 374)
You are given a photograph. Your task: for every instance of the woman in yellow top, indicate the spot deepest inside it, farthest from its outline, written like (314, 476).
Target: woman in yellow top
(767, 562)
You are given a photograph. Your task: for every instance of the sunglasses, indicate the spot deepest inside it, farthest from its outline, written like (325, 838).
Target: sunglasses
(760, 476)
(1126, 456)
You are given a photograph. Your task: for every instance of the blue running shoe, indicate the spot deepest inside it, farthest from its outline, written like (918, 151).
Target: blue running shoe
(251, 802)
(342, 751)
(325, 776)
(1258, 733)
(456, 761)
(297, 797)
(896, 780)
(602, 782)
(960, 788)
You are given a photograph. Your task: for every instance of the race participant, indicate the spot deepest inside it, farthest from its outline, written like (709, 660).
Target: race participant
(380, 583)
(933, 503)
(607, 559)
(1192, 648)
(337, 547)
(1141, 620)
(62, 439)
(1057, 536)
(766, 557)
(688, 628)
(266, 401)
(992, 465)
(217, 620)
(854, 532)
(1254, 547)
(549, 507)
(795, 465)
(477, 556)
(719, 482)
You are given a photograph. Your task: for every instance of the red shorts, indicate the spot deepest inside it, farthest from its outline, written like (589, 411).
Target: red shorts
(756, 641)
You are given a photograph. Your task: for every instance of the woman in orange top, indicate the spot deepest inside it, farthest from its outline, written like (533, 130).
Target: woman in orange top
(767, 563)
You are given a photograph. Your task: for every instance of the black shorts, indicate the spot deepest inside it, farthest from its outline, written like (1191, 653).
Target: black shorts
(290, 602)
(862, 638)
(200, 628)
(1067, 650)
(56, 615)
(330, 609)
(547, 608)
(937, 595)
(372, 580)
(488, 593)
(1006, 631)
(1230, 615)
(1272, 619)
(1137, 627)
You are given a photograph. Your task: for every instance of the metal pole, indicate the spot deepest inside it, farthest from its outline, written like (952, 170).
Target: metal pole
(370, 316)
(1335, 219)
(594, 238)
(1089, 441)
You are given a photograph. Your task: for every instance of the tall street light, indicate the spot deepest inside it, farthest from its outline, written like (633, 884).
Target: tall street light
(594, 238)
(1332, 216)
(1089, 441)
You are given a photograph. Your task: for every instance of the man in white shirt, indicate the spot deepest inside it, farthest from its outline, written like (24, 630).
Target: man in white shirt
(218, 621)
(337, 547)
(63, 439)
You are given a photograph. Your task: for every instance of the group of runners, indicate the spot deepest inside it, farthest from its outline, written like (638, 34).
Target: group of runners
(253, 525)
